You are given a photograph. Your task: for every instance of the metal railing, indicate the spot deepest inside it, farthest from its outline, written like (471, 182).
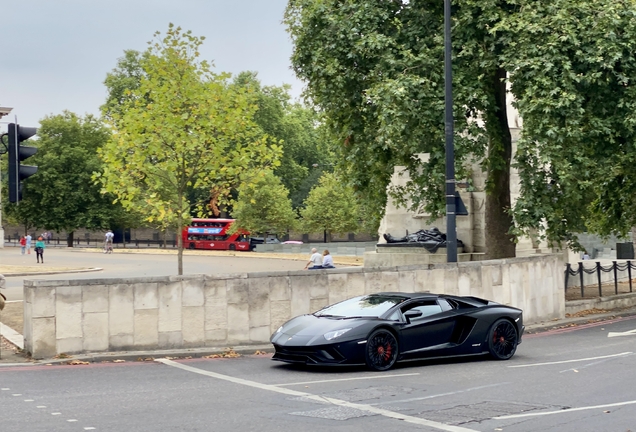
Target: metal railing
(598, 269)
(88, 242)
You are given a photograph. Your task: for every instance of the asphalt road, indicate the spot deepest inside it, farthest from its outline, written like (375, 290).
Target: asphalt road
(568, 380)
(124, 265)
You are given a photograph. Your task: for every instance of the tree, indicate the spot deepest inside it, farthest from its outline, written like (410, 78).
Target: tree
(376, 69)
(298, 129)
(263, 206)
(184, 127)
(574, 80)
(122, 81)
(61, 196)
(331, 207)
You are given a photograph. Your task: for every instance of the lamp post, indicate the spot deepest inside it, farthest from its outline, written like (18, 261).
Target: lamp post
(451, 224)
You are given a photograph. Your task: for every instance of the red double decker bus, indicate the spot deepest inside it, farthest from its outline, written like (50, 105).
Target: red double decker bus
(213, 234)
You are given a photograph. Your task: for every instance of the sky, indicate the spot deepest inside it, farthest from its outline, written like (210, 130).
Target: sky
(54, 55)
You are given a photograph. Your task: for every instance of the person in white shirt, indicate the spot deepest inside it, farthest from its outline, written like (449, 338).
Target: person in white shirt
(327, 260)
(315, 260)
(108, 240)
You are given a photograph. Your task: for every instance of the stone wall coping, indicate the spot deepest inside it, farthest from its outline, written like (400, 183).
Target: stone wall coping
(256, 275)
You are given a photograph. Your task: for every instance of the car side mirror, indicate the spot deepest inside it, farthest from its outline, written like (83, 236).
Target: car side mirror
(409, 315)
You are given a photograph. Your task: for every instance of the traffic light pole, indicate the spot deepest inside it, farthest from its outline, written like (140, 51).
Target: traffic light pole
(3, 112)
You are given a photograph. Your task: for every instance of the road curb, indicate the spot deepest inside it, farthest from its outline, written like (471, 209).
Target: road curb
(141, 356)
(568, 322)
(88, 270)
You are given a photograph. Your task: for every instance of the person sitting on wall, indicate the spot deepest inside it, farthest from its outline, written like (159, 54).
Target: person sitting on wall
(327, 260)
(315, 260)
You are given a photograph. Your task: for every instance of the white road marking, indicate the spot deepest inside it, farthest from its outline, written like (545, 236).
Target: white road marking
(617, 334)
(439, 395)
(71, 420)
(56, 413)
(5, 389)
(28, 400)
(588, 365)
(572, 361)
(89, 428)
(564, 411)
(346, 379)
(17, 394)
(41, 406)
(342, 403)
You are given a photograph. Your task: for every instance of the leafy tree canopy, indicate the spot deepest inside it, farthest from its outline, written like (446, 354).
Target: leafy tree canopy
(61, 196)
(331, 206)
(263, 206)
(376, 69)
(299, 130)
(183, 127)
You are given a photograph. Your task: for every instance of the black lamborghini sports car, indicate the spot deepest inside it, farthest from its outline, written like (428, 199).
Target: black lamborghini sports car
(381, 329)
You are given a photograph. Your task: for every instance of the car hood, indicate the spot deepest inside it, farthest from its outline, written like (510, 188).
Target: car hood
(310, 330)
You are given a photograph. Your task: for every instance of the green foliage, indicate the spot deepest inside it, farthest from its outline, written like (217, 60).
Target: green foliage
(297, 128)
(61, 195)
(376, 69)
(184, 127)
(331, 206)
(573, 75)
(122, 81)
(263, 206)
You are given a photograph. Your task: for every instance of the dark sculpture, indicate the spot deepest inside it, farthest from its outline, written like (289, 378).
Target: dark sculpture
(431, 239)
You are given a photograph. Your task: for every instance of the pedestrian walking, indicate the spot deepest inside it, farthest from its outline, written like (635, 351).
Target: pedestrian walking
(23, 244)
(39, 249)
(108, 241)
(28, 243)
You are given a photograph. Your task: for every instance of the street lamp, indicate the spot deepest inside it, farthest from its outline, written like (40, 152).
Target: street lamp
(451, 223)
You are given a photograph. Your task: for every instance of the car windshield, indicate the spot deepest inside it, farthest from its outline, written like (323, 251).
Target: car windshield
(363, 306)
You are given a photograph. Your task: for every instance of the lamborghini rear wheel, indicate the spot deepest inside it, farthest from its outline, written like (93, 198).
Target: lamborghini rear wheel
(502, 339)
(382, 350)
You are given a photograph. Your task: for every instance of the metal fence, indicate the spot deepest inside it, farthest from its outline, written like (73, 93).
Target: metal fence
(88, 242)
(598, 269)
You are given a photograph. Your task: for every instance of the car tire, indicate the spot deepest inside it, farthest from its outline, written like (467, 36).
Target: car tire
(232, 247)
(381, 350)
(191, 246)
(502, 339)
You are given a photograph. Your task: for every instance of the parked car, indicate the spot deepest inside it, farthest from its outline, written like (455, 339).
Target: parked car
(267, 240)
(380, 329)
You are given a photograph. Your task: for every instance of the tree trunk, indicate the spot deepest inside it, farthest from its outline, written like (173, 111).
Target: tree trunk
(69, 239)
(499, 242)
(180, 237)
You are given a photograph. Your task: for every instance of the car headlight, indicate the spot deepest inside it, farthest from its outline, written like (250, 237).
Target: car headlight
(334, 334)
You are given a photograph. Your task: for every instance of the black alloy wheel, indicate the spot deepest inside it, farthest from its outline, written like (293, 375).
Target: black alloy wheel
(191, 246)
(382, 350)
(502, 339)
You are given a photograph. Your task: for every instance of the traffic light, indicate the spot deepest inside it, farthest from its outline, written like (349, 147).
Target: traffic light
(18, 153)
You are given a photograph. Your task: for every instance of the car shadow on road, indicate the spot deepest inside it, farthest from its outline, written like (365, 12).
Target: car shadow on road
(403, 365)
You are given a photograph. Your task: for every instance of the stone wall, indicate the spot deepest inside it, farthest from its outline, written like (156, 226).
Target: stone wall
(76, 316)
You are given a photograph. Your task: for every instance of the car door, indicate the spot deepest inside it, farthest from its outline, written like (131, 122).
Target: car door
(432, 328)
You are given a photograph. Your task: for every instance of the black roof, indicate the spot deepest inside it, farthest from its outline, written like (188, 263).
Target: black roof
(406, 295)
